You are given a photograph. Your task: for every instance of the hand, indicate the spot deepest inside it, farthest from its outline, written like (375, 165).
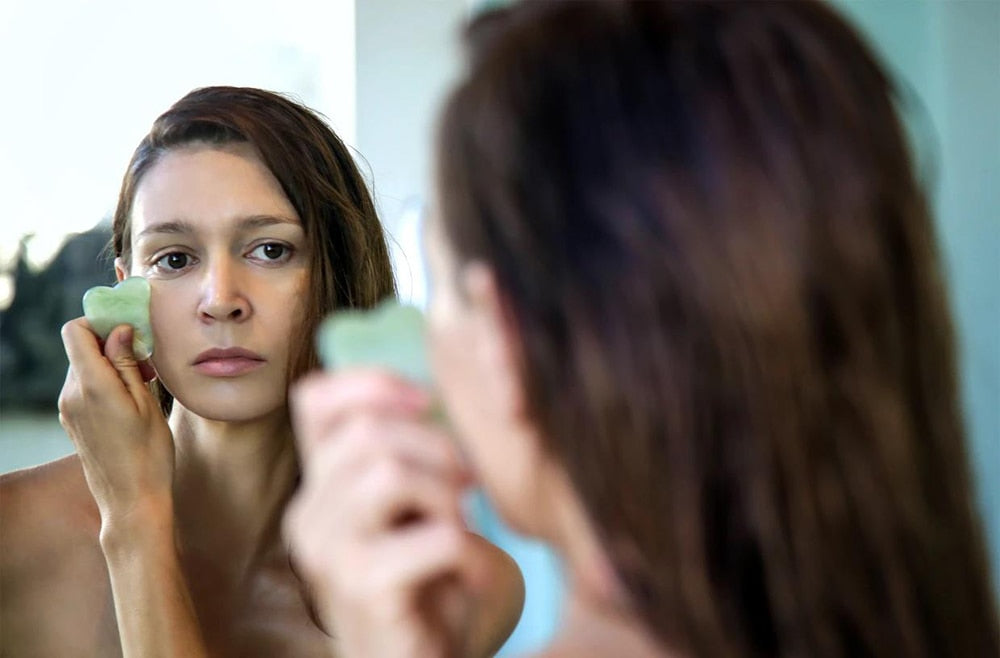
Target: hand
(120, 434)
(376, 528)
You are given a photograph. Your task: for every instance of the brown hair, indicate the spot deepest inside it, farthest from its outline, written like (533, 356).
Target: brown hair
(350, 260)
(735, 337)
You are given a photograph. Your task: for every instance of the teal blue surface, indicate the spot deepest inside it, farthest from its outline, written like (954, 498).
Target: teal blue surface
(948, 54)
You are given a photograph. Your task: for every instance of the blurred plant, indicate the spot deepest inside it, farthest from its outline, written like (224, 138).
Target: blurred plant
(32, 360)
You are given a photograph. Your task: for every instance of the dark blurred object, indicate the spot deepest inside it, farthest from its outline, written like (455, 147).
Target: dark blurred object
(32, 360)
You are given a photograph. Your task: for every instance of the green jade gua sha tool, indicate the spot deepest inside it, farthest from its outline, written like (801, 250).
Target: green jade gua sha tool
(391, 336)
(127, 303)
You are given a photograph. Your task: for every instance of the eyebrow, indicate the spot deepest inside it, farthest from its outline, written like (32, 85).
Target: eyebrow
(179, 226)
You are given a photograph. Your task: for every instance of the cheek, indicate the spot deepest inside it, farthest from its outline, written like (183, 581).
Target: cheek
(291, 320)
(161, 319)
(451, 364)
(166, 316)
(494, 450)
(443, 358)
(459, 378)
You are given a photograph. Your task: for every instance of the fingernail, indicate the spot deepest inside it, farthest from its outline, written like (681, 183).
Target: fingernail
(125, 337)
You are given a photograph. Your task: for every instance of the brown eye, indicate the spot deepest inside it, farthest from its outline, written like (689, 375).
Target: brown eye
(271, 252)
(175, 260)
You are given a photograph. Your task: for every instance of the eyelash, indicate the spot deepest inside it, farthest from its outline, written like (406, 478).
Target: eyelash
(159, 263)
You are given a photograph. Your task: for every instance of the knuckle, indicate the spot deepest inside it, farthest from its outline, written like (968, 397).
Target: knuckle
(371, 384)
(89, 390)
(440, 448)
(307, 392)
(63, 403)
(386, 475)
(69, 398)
(361, 430)
(324, 463)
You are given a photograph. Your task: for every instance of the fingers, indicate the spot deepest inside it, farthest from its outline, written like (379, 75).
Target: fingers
(391, 496)
(94, 375)
(417, 554)
(82, 345)
(365, 440)
(113, 370)
(377, 525)
(373, 477)
(349, 539)
(320, 401)
(147, 371)
(374, 484)
(118, 349)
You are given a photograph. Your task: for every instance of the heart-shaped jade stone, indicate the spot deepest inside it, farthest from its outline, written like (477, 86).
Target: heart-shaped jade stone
(391, 335)
(127, 303)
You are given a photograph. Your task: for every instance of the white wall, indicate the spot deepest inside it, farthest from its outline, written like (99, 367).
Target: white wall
(83, 81)
(407, 55)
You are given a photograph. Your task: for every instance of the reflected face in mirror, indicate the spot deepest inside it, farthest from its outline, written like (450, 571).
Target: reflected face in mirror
(227, 260)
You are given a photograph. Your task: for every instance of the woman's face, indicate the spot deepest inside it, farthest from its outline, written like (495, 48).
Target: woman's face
(226, 257)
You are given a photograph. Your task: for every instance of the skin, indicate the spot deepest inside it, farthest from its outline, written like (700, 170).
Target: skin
(474, 355)
(162, 538)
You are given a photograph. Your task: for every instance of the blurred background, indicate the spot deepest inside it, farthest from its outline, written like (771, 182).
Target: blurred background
(83, 82)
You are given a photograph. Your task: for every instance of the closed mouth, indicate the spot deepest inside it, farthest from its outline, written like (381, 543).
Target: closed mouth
(227, 354)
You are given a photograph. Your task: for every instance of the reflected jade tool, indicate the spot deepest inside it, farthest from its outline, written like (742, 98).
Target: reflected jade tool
(127, 303)
(391, 336)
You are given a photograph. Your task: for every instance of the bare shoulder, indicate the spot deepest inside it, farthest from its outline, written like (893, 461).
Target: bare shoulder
(498, 570)
(47, 514)
(52, 571)
(44, 503)
(501, 594)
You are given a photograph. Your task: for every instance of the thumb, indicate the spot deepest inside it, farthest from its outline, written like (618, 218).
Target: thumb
(118, 350)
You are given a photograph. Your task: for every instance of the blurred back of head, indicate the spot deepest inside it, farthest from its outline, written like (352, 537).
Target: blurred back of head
(706, 226)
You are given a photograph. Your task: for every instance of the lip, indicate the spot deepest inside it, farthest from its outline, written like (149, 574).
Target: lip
(227, 362)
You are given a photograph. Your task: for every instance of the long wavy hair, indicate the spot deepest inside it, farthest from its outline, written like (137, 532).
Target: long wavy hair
(350, 259)
(705, 224)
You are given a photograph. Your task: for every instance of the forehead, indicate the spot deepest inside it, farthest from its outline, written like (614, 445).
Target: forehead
(208, 183)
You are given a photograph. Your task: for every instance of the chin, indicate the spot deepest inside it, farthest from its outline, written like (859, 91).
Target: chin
(231, 401)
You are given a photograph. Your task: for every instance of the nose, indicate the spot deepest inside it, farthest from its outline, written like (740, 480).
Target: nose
(223, 298)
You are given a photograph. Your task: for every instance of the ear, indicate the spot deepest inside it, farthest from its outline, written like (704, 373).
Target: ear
(121, 269)
(497, 337)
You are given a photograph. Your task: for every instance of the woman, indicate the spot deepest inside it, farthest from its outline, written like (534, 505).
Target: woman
(161, 536)
(687, 320)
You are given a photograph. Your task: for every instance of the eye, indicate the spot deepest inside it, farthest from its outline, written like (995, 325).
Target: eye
(271, 252)
(175, 260)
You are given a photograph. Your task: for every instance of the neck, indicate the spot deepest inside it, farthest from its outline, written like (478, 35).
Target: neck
(588, 570)
(598, 618)
(231, 483)
(593, 628)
